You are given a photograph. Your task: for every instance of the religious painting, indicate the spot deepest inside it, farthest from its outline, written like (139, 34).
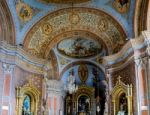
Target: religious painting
(121, 6)
(123, 109)
(83, 73)
(84, 105)
(26, 110)
(79, 47)
(24, 11)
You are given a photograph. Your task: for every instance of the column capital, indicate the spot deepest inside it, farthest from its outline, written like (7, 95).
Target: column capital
(7, 68)
(141, 62)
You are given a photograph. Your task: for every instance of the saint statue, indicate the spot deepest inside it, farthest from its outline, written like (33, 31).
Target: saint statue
(123, 105)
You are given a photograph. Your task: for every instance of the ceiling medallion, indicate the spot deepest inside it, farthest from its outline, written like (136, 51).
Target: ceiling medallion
(65, 1)
(74, 18)
(121, 6)
(103, 25)
(47, 28)
(24, 11)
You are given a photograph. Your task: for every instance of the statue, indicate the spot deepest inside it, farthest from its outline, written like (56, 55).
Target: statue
(123, 105)
(98, 106)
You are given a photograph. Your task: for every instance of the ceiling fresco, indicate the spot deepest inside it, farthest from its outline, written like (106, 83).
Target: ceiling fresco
(26, 13)
(80, 47)
(64, 1)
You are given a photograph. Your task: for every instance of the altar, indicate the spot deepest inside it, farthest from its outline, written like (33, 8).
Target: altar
(82, 113)
(81, 102)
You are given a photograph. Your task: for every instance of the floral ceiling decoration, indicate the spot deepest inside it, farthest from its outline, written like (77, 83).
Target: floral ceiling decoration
(43, 38)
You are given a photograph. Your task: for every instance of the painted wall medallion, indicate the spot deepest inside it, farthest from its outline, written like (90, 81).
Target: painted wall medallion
(121, 6)
(103, 25)
(74, 18)
(78, 47)
(83, 73)
(24, 11)
(47, 28)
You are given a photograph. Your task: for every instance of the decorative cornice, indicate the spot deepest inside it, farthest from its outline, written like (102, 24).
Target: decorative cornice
(126, 52)
(17, 56)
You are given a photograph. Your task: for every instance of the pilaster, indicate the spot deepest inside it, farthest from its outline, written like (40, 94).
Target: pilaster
(141, 85)
(56, 94)
(7, 96)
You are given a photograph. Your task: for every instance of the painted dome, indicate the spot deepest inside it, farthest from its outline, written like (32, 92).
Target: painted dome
(80, 47)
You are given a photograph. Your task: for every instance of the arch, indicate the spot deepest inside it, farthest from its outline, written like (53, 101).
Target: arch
(140, 16)
(59, 22)
(81, 33)
(30, 90)
(7, 28)
(77, 63)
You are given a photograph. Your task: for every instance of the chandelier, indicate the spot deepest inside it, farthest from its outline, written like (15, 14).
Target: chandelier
(71, 86)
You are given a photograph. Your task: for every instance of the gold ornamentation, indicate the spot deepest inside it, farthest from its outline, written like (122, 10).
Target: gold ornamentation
(87, 20)
(24, 11)
(117, 92)
(83, 73)
(47, 28)
(121, 6)
(83, 90)
(103, 25)
(30, 90)
(74, 18)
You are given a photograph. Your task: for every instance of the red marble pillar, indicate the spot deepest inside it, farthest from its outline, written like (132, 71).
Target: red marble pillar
(141, 84)
(7, 100)
(55, 105)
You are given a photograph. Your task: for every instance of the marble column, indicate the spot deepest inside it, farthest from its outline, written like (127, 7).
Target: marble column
(141, 85)
(109, 81)
(7, 99)
(56, 95)
(148, 76)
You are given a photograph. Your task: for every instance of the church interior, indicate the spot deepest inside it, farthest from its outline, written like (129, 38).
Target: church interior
(74, 57)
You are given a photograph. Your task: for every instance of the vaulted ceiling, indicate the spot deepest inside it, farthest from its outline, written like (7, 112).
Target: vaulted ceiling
(61, 29)
(26, 13)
